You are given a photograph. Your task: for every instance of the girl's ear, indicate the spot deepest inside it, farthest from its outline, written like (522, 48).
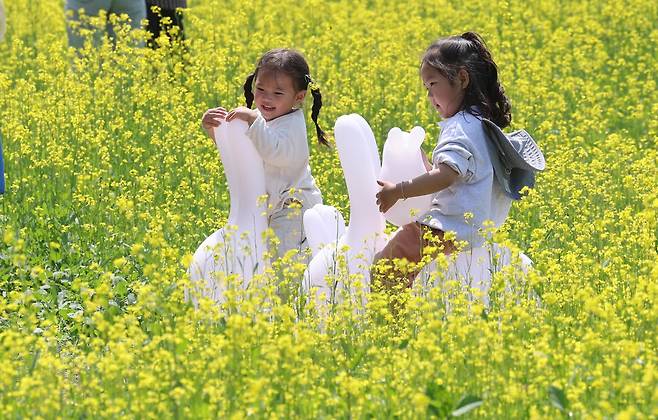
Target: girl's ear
(300, 96)
(463, 78)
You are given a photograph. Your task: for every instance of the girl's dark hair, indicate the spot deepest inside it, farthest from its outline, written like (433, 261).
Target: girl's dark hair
(293, 64)
(484, 91)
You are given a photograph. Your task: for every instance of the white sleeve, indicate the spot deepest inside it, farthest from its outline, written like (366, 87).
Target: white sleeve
(279, 146)
(455, 151)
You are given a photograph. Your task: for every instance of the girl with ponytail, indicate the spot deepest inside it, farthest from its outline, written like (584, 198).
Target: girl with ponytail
(277, 128)
(462, 85)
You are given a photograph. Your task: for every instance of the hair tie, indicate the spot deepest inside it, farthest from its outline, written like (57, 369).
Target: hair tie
(311, 84)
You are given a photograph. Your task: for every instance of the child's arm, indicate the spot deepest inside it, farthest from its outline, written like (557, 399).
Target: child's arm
(433, 181)
(426, 161)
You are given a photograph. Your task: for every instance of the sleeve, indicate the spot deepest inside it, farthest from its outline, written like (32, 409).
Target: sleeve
(455, 153)
(278, 146)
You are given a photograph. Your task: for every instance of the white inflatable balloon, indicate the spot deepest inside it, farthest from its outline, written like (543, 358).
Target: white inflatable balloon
(238, 247)
(474, 268)
(364, 235)
(401, 161)
(323, 225)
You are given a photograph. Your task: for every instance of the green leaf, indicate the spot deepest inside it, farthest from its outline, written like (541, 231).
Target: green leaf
(403, 344)
(121, 288)
(358, 357)
(466, 404)
(35, 359)
(558, 399)
(439, 397)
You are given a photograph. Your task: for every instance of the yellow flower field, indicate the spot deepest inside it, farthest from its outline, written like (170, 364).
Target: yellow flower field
(111, 185)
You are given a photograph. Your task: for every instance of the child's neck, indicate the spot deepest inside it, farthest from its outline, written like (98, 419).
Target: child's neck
(283, 115)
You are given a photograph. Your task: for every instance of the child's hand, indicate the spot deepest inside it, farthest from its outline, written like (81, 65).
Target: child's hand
(242, 113)
(211, 119)
(388, 196)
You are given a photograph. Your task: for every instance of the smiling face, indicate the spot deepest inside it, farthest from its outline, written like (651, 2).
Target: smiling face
(445, 96)
(275, 94)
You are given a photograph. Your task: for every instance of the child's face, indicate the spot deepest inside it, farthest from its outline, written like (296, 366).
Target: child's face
(445, 97)
(275, 94)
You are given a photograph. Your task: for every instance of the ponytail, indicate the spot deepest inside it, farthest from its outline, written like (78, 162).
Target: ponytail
(248, 94)
(484, 94)
(490, 96)
(315, 111)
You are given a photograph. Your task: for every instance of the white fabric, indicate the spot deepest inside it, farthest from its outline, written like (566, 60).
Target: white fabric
(462, 146)
(288, 226)
(3, 25)
(283, 145)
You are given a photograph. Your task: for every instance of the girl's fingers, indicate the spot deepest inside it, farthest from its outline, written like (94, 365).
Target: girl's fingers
(212, 115)
(211, 123)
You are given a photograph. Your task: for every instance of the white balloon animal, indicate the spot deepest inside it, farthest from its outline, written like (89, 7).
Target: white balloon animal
(364, 236)
(402, 161)
(474, 269)
(327, 226)
(237, 248)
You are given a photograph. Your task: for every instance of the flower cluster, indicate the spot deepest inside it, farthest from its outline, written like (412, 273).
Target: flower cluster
(111, 184)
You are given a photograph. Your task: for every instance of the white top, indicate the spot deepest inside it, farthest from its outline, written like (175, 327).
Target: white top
(283, 146)
(462, 146)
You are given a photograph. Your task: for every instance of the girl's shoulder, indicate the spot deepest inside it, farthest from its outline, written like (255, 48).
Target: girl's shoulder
(463, 125)
(293, 122)
(460, 119)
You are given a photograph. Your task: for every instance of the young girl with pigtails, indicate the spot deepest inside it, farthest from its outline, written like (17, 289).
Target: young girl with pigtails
(462, 85)
(277, 129)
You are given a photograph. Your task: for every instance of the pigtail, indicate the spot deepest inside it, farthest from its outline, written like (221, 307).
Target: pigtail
(293, 64)
(490, 95)
(315, 111)
(248, 94)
